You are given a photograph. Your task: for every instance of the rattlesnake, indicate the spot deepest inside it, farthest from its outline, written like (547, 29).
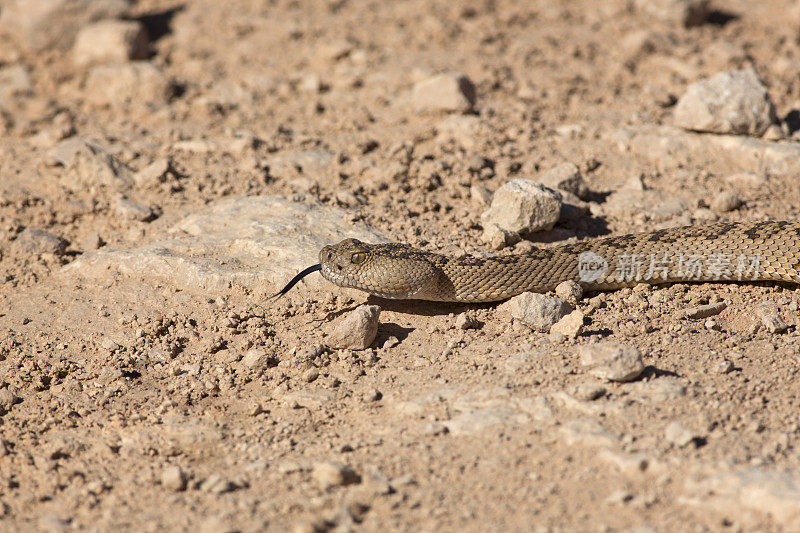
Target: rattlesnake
(740, 252)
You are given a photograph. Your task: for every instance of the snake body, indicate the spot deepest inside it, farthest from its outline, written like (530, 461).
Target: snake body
(739, 252)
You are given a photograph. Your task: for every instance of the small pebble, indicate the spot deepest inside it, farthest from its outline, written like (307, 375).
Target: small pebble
(466, 321)
(589, 391)
(174, 478)
(330, 474)
(391, 342)
(372, 395)
(569, 291)
(311, 374)
(723, 367)
(675, 433)
(7, 400)
(435, 428)
(446, 92)
(724, 202)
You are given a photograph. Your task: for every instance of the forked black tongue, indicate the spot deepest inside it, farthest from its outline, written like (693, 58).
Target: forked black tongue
(296, 279)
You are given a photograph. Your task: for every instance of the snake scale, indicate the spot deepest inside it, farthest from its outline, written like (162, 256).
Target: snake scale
(738, 252)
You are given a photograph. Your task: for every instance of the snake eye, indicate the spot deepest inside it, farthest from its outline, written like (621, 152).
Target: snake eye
(358, 258)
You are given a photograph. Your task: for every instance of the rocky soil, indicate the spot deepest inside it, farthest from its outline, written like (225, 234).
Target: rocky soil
(166, 166)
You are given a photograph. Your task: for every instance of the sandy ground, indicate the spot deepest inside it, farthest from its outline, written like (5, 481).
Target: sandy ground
(126, 401)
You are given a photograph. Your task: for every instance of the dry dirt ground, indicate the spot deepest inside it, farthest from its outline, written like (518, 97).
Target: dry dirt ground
(125, 400)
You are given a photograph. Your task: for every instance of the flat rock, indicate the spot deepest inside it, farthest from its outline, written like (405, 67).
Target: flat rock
(524, 206)
(257, 241)
(668, 146)
(729, 102)
(445, 92)
(586, 432)
(537, 311)
(612, 361)
(625, 203)
(736, 493)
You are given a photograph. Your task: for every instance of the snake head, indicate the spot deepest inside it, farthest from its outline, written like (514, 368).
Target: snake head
(342, 262)
(386, 270)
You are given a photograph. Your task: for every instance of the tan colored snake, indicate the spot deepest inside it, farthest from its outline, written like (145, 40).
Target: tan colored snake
(741, 252)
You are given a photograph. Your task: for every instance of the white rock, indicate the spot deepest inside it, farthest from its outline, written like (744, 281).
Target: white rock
(537, 311)
(357, 330)
(329, 474)
(256, 358)
(110, 41)
(570, 326)
(724, 202)
(174, 478)
(612, 361)
(467, 321)
(257, 242)
(39, 24)
(675, 433)
(567, 177)
(686, 13)
(569, 291)
(138, 83)
(444, 93)
(88, 165)
(524, 206)
(729, 102)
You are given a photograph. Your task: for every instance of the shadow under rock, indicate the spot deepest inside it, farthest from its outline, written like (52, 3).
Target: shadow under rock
(386, 330)
(651, 372)
(426, 308)
(159, 23)
(719, 17)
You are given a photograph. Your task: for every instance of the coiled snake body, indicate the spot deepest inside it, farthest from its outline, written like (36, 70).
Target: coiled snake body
(741, 252)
